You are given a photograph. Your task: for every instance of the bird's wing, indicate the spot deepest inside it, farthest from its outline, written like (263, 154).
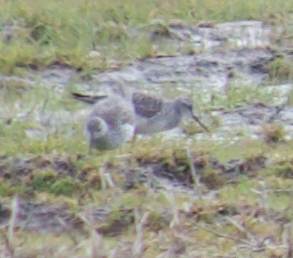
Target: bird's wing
(127, 113)
(87, 98)
(114, 109)
(146, 105)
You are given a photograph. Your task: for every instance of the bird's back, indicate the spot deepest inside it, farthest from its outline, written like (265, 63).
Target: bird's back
(114, 110)
(155, 114)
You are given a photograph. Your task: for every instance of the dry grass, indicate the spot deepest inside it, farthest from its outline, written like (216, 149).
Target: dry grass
(106, 206)
(151, 219)
(37, 34)
(163, 198)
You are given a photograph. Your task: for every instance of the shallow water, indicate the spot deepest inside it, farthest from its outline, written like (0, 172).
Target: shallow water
(232, 54)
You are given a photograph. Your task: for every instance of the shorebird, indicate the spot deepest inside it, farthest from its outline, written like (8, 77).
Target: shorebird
(110, 124)
(153, 114)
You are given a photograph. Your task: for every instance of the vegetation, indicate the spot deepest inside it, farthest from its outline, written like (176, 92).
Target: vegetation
(37, 34)
(226, 194)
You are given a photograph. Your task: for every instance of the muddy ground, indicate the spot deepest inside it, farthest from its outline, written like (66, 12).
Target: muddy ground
(229, 55)
(213, 62)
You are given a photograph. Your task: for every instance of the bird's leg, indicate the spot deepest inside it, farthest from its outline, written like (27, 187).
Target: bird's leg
(90, 152)
(134, 138)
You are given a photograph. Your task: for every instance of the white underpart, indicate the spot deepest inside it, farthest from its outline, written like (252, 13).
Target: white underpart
(128, 131)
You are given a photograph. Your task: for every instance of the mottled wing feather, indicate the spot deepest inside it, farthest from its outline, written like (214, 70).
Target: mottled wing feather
(114, 109)
(146, 105)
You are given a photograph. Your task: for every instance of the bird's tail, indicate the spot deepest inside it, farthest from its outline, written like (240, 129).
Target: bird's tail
(87, 98)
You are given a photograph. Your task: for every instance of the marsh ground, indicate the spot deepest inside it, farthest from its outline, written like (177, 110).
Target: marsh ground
(184, 193)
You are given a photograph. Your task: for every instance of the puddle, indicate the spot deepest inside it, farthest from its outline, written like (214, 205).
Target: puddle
(231, 54)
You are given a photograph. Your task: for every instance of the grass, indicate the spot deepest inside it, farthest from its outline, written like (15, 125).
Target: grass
(224, 197)
(136, 220)
(38, 34)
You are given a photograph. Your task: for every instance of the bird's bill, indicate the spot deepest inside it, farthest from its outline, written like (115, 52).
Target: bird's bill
(200, 123)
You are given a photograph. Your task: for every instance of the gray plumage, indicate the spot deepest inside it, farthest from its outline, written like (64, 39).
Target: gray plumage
(110, 124)
(153, 114)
